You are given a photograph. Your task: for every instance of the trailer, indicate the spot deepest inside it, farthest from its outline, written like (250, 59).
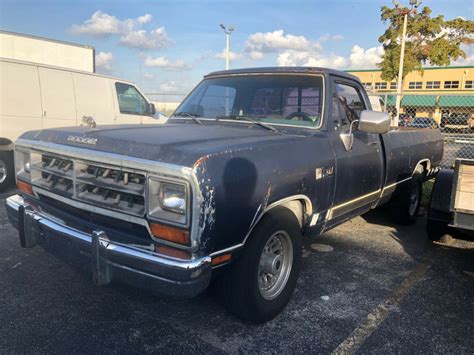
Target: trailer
(452, 200)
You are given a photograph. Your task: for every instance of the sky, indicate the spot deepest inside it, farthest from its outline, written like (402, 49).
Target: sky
(167, 46)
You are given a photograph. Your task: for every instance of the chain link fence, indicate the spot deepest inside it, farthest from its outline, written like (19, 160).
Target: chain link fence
(453, 114)
(166, 103)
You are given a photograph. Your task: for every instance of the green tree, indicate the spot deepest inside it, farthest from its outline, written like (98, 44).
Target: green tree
(430, 40)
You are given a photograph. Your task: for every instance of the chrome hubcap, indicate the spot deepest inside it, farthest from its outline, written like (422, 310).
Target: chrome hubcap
(413, 201)
(275, 265)
(3, 171)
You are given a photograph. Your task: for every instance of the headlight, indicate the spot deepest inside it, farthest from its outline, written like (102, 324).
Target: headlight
(23, 165)
(168, 201)
(173, 198)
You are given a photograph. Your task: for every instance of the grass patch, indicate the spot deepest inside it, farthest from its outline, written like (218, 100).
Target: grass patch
(426, 192)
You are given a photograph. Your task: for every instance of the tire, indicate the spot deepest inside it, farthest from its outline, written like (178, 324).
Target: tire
(436, 230)
(7, 171)
(253, 298)
(407, 203)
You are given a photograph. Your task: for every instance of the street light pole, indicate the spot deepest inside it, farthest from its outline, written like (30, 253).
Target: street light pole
(227, 32)
(405, 12)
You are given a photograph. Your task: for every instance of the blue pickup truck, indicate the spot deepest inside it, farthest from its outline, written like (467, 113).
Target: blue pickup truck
(250, 162)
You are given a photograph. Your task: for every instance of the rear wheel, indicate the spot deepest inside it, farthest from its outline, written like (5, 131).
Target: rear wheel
(262, 281)
(6, 170)
(407, 203)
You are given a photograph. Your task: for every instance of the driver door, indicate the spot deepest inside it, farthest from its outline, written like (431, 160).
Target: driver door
(359, 172)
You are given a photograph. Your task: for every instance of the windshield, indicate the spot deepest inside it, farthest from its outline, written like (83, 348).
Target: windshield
(275, 99)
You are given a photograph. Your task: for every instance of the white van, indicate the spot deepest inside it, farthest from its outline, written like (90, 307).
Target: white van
(34, 96)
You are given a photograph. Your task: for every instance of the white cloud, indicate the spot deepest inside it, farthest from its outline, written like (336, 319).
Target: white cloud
(361, 58)
(277, 40)
(330, 37)
(232, 55)
(148, 76)
(103, 24)
(312, 59)
(169, 87)
(469, 60)
(142, 39)
(256, 55)
(144, 19)
(103, 60)
(260, 43)
(132, 35)
(166, 64)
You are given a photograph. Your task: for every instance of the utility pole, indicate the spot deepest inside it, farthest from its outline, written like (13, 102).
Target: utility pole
(227, 32)
(405, 12)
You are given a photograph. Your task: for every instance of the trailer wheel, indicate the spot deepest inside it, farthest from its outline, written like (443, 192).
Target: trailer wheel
(436, 230)
(6, 170)
(262, 281)
(439, 215)
(407, 203)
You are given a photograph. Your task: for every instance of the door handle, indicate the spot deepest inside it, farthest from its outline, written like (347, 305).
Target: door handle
(373, 143)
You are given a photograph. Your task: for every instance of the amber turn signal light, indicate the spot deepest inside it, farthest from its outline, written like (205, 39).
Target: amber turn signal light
(171, 234)
(221, 259)
(173, 252)
(24, 187)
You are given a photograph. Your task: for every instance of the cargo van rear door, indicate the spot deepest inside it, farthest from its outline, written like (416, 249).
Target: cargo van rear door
(20, 99)
(57, 96)
(93, 98)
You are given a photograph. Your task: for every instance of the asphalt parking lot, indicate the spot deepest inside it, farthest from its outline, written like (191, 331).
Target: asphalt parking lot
(368, 286)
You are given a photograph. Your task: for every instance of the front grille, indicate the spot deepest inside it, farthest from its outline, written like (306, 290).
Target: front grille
(102, 185)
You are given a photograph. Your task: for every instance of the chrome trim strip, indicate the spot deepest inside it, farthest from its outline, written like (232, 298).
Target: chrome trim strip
(308, 210)
(356, 202)
(387, 190)
(226, 250)
(117, 248)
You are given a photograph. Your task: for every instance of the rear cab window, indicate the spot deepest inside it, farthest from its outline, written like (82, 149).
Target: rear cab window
(130, 100)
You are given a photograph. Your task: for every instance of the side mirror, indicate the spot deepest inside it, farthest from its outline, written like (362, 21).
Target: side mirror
(374, 122)
(151, 109)
(369, 122)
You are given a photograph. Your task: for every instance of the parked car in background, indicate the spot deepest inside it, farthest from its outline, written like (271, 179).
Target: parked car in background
(34, 96)
(404, 119)
(423, 122)
(251, 161)
(457, 121)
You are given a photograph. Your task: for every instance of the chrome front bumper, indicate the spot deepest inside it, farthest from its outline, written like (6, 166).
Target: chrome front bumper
(106, 259)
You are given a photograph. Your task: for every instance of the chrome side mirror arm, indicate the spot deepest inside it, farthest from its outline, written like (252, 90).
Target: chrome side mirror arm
(347, 138)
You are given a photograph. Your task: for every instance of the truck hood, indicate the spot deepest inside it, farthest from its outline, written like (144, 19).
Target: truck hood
(174, 143)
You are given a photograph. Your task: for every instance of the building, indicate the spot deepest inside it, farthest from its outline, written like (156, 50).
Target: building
(435, 92)
(18, 46)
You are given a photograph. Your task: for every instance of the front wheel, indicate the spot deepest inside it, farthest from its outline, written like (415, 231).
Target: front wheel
(6, 170)
(262, 281)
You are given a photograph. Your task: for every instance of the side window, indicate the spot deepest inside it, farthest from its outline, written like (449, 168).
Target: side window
(347, 103)
(130, 100)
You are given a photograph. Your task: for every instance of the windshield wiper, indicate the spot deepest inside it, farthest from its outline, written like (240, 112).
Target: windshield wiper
(248, 119)
(188, 114)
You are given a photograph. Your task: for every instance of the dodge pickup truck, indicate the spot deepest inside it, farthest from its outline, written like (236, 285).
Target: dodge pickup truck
(252, 160)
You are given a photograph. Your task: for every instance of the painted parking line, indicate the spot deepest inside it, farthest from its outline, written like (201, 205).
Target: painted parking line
(354, 341)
